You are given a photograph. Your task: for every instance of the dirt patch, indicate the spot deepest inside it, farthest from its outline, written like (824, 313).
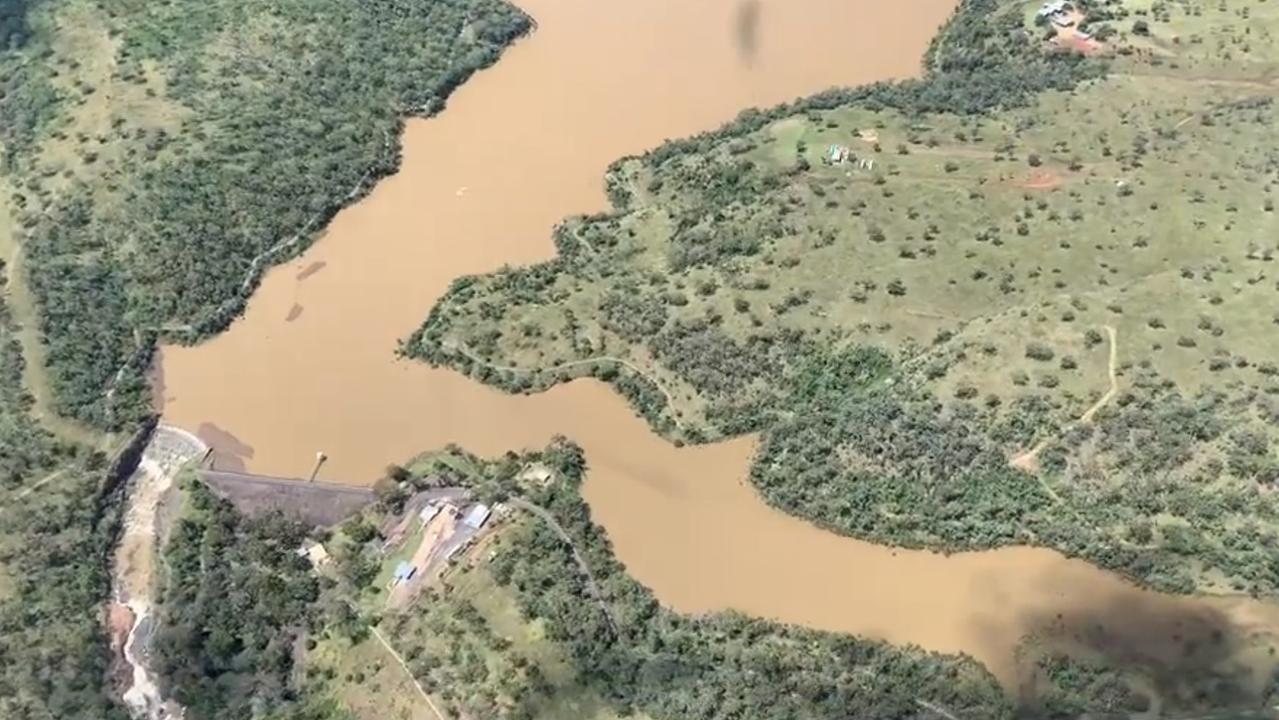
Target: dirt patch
(1042, 180)
(295, 312)
(1071, 38)
(311, 269)
(427, 558)
(868, 136)
(1029, 460)
(1075, 42)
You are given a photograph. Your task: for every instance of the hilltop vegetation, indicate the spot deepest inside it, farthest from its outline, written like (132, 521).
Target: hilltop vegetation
(157, 157)
(923, 332)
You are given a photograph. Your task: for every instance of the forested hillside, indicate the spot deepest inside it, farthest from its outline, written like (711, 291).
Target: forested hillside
(13, 23)
(985, 308)
(157, 157)
(237, 601)
(55, 532)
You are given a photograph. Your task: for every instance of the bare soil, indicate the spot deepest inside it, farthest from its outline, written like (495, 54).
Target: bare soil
(1042, 180)
(440, 527)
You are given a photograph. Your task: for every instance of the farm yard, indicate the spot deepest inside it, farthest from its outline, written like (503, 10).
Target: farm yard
(445, 638)
(949, 280)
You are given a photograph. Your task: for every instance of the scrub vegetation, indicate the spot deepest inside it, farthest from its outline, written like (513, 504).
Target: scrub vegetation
(158, 157)
(55, 520)
(914, 293)
(237, 600)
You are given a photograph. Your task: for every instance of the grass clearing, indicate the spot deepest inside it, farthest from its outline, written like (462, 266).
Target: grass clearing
(366, 681)
(470, 647)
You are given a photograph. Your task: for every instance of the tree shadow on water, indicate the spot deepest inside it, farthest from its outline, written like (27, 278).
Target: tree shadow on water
(746, 30)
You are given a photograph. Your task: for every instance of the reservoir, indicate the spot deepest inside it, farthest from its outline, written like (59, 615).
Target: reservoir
(311, 365)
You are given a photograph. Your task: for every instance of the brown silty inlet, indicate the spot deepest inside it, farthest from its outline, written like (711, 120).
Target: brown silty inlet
(523, 145)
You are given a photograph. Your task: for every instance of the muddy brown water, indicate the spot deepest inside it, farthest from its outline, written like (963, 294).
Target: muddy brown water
(525, 144)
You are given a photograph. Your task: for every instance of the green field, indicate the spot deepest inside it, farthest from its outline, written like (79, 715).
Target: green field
(903, 325)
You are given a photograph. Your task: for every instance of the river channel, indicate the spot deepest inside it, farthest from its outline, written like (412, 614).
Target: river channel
(311, 365)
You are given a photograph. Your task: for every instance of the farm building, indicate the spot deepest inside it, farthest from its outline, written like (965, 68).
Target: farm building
(539, 474)
(477, 516)
(429, 512)
(315, 553)
(404, 572)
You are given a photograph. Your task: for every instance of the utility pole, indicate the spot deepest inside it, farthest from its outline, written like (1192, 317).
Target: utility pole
(320, 457)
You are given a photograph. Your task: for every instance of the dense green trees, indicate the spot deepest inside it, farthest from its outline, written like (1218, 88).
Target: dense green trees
(237, 601)
(54, 543)
(13, 23)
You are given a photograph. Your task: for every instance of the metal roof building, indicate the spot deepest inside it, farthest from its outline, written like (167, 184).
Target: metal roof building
(477, 516)
(429, 512)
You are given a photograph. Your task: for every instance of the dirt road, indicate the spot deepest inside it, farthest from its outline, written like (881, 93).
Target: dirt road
(591, 585)
(1029, 460)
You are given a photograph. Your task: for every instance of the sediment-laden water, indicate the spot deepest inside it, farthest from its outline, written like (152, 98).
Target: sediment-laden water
(311, 365)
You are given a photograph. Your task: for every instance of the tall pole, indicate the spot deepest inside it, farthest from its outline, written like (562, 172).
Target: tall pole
(320, 457)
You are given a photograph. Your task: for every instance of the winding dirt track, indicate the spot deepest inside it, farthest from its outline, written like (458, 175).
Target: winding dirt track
(1113, 372)
(1029, 460)
(404, 666)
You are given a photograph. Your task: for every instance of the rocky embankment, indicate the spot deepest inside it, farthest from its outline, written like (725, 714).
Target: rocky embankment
(134, 567)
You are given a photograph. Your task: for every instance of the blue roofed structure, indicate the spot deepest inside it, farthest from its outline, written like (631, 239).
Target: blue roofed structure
(404, 571)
